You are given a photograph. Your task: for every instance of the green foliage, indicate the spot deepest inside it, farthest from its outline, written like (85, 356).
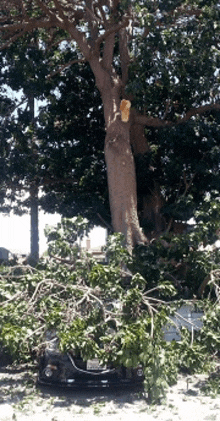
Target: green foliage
(92, 310)
(173, 64)
(212, 386)
(63, 238)
(157, 373)
(116, 250)
(210, 333)
(193, 355)
(71, 129)
(180, 259)
(105, 277)
(56, 152)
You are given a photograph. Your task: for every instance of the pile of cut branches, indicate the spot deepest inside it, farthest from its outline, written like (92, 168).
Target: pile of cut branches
(104, 311)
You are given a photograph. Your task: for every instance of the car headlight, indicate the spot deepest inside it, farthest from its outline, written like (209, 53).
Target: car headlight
(49, 370)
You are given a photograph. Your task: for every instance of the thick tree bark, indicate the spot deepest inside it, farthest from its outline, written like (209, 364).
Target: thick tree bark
(122, 184)
(120, 171)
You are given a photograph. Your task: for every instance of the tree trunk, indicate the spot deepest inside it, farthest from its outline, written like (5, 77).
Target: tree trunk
(34, 223)
(34, 255)
(119, 159)
(121, 174)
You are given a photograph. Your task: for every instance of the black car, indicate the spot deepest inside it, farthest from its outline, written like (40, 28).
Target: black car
(68, 369)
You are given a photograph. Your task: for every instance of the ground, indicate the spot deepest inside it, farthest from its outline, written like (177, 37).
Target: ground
(21, 400)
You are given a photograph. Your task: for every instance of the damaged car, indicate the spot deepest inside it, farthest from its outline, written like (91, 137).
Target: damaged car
(69, 369)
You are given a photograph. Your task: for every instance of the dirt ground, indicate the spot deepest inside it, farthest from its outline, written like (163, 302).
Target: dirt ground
(21, 400)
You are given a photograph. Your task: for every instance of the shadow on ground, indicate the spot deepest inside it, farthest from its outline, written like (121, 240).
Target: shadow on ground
(19, 384)
(18, 388)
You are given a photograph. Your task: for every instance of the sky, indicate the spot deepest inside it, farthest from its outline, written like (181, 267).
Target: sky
(15, 232)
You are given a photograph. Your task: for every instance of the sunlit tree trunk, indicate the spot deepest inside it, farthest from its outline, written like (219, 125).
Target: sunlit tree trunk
(122, 184)
(120, 171)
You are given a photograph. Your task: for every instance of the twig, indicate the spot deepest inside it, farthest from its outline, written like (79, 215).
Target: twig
(104, 222)
(5, 303)
(61, 68)
(33, 333)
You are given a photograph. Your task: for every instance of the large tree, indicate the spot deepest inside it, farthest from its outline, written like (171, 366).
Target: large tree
(179, 168)
(148, 36)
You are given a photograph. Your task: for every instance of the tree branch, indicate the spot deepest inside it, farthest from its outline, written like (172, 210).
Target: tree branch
(60, 10)
(45, 9)
(92, 23)
(151, 121)
(105, 223)
(108, 51)
(112, 29)
(198, 111)
(61, 68)
(124, 55)
(48, 20)
(102, 13)
(157, 122)
(12, 110)
(23, 27)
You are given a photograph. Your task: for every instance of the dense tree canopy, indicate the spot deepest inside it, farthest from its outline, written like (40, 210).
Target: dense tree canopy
(164, 58)
(62, 153)
(71, 129)
(22, 78)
